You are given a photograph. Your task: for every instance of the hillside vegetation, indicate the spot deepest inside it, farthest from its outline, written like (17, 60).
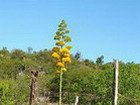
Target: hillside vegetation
(90, 80)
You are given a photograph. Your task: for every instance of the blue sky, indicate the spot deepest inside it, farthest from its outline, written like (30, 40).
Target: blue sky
(98, 27)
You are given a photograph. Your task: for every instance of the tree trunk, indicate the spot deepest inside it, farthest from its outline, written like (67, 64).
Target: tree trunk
(33, 88)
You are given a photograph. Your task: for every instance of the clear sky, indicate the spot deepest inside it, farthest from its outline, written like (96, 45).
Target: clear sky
(98, 27)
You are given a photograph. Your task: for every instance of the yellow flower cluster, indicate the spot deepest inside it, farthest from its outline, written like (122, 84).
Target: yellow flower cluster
(56, 37)
(69, 47)
(62, 69)
(64, 50)
(55, 55)
(61, 52)
(66, 55)
(67, 39)
(62, 56)
(60, 43)
(60, 64)
(55, 49)
(66, 59)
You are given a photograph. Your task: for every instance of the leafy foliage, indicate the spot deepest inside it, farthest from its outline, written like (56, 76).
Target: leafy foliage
(82, 78)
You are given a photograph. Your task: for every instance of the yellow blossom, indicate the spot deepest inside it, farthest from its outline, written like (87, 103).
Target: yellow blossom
(69, 47)
(67, 39)
(64, 50)
(66, 59)
(66, 55)
(63, 69)
(55, 55)
(56, 37)
(60, 64)
(55, 49)
(60, 43)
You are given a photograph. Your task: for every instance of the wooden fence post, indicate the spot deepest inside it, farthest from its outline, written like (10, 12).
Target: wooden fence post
(115, 83)
(33, 88)
(76, 100)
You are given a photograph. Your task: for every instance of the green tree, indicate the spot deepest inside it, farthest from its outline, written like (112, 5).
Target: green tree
(30, 50)
(89, 63)
(99, 62)
(77, 56)
(18, 54)
(4, 53)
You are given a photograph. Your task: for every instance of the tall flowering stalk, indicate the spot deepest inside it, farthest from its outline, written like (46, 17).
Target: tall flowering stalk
(61, 52)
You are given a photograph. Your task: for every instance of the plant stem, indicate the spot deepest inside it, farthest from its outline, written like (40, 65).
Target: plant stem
(60, 88)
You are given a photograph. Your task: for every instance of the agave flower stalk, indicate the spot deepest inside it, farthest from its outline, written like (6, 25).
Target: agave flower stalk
(61, 53)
